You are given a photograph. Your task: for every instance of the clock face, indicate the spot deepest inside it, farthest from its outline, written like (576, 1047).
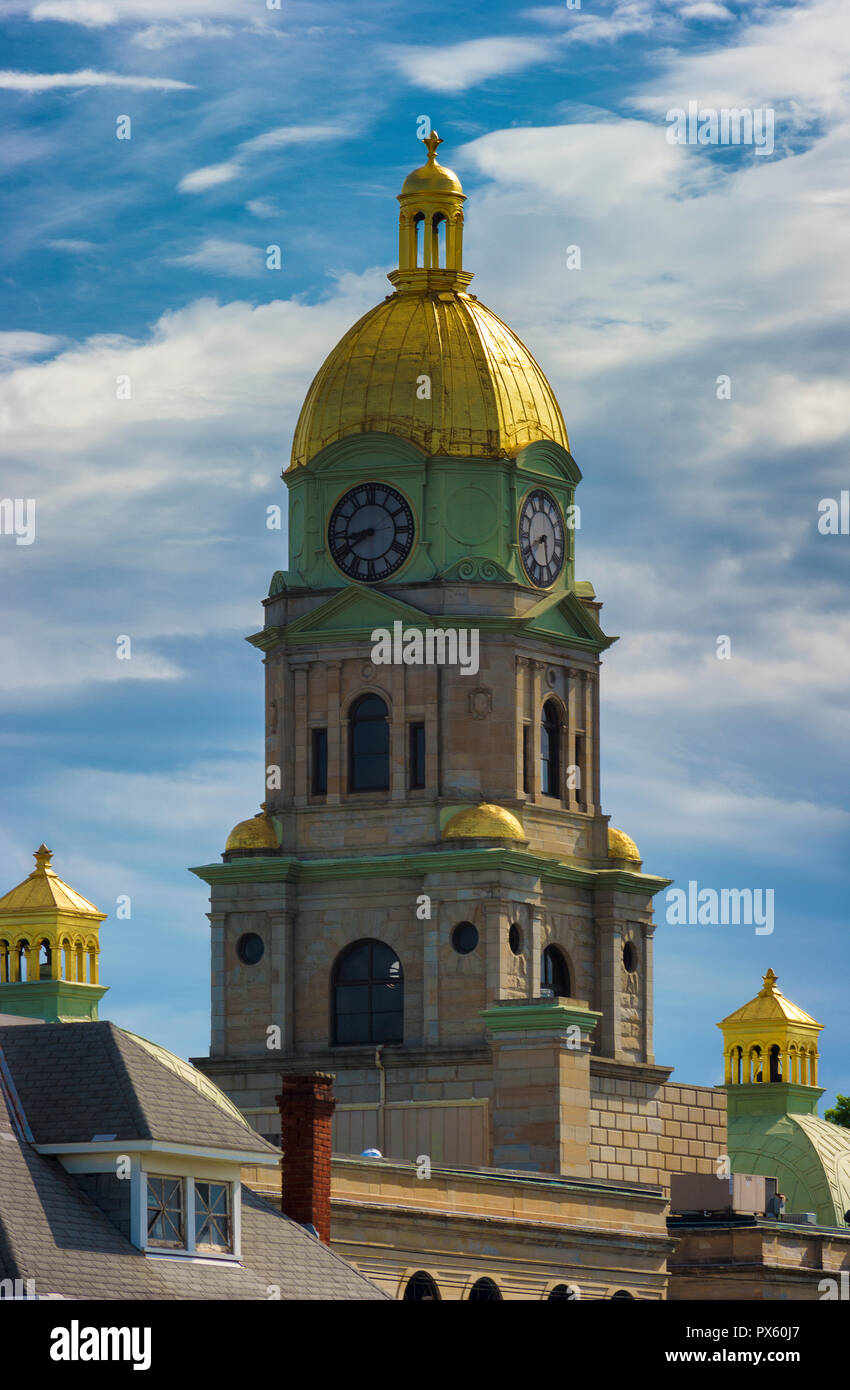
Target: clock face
(370, 533)
(541, 538)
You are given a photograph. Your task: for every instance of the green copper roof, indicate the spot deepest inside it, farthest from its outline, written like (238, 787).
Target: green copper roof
(809, 1156)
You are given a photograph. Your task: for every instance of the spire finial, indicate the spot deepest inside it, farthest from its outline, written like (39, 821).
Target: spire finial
(769, 981)
(42, 857)
(431, 143)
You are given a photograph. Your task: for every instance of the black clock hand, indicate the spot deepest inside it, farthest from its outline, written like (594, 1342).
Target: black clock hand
(358, 536)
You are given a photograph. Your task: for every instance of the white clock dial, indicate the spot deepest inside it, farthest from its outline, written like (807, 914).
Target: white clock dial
(541, 538)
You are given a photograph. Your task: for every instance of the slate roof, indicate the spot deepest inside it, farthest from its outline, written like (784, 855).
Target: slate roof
(53, 1233)
(78, 1080)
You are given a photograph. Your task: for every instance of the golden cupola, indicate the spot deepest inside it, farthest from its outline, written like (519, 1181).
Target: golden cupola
(431, 363)
(49, 948)
(770, 1040)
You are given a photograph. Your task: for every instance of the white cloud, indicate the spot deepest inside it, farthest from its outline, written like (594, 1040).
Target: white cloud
(454, 67)
(798, 56)
(210, 177)
(706, 9)
(279, 138)
(98, 13)
(262, 207)
(73, 245)
(221, 257)
(86, 77)
(143, 505)
(158, 36)
(17, 346)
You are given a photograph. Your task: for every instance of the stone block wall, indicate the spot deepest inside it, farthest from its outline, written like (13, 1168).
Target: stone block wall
(643, 1130)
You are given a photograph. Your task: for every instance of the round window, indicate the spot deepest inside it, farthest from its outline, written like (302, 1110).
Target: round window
(515, 938)
(250, 948)
(465, 938)
(630, 960)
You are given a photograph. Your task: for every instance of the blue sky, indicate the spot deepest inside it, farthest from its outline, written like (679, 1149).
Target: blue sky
(145, 257)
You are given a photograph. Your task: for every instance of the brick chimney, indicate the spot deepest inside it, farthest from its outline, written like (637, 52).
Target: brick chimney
(306, 1105)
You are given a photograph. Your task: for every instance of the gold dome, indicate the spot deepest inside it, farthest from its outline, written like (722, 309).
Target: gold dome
(621, 845)
(256, 833)
(483, 822)
(487, 397)
(431, 177)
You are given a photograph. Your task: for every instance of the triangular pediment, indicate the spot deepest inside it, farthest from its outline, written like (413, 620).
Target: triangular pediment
(355, 610)
(566, 617)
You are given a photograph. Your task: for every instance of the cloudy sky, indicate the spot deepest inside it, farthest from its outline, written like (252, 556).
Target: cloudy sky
(144, 258)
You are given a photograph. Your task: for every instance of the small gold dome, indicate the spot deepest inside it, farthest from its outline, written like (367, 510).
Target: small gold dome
(483, 822)
(256, 833)
(431, 178)
(621, 845)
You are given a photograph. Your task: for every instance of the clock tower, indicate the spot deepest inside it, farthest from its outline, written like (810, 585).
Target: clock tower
(431, 894)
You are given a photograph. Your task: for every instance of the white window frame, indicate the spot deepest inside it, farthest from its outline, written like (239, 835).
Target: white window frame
(139, 1197)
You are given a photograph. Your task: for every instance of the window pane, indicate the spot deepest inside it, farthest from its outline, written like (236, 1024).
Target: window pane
(354, 964)
(165, 1211)
(385, 998)
(352, 999)
(212, 1215)
(386, 1028)
(353, 1028)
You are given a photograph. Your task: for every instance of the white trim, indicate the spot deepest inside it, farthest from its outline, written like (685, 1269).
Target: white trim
(142, 1146)
(190, 1251)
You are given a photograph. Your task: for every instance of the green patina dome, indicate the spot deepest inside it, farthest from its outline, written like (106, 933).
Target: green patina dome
(809, 1156)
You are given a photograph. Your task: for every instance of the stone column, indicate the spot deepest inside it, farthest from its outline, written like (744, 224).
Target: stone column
(537, 669)
(282, 927)
(300, 734)
(540, 1111)
(431, 975)
(519, 696)
(335, 778)
(218, 1014)
(648, 991)
(592, 743)
(535, 954)
(398, 735)
(573, 685)
(432, 730)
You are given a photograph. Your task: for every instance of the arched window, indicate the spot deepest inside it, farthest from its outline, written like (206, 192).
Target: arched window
(550, 750)
(369, 745)
(5, 964)
(438, 240)
(45, 961)
(23, 960)
(554, 974)
(419, 239)
(622, 1293)
(484, 1290)
(368, 995)
(563, 1293)
(737, 1065)
(775, 1064)
(420, 1288)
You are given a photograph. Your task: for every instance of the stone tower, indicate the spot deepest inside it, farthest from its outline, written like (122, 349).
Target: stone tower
(431, 903)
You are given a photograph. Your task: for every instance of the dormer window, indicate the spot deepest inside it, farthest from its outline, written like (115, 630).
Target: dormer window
(166, 1226)
(187, 1216)
(212, 1216)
